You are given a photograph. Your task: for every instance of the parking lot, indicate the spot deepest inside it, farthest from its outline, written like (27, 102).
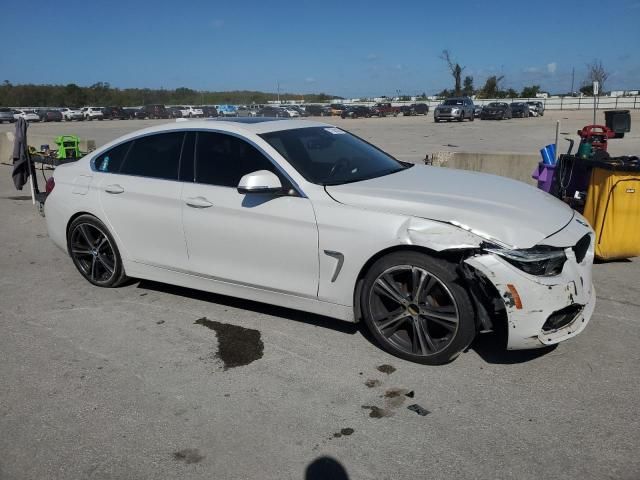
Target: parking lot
(407, 138)
(131, 382)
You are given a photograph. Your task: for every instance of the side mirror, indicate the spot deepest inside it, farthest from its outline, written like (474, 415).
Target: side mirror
(262, 181)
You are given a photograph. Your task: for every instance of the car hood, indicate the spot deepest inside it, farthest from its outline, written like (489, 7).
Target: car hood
(499, 208)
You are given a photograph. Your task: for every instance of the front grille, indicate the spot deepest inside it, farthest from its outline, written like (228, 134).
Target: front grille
(445, 110)
(561, 318)
(581, 248)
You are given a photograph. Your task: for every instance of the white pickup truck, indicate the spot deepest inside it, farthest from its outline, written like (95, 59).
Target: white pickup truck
(89, 113)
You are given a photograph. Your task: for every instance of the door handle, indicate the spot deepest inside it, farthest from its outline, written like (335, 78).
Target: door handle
(199, 202)
(114, 189)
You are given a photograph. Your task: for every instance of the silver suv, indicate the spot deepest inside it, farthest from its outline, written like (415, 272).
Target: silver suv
(454, 109)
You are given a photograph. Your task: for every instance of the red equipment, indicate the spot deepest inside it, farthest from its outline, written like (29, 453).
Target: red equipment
(596, 135)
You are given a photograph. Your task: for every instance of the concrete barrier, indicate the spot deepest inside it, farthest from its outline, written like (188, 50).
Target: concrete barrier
(512, 165)
(6, 147)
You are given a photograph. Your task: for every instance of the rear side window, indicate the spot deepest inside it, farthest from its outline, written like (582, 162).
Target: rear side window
(111, 161)
(224, 159)
(156, 156)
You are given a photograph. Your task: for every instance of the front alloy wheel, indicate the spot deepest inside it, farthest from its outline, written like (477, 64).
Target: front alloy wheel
(417, 309)
(94, 252)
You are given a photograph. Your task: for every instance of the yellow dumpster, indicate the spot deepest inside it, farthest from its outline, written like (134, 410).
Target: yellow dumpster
(613, 210)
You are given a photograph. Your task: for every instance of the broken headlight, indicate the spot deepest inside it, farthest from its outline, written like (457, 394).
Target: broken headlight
(541, 260)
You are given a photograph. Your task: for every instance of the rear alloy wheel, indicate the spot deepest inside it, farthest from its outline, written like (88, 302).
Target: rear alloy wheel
(94, 252)
(416, 308)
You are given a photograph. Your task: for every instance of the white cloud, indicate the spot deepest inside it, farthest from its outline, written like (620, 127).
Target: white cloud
(551, 67)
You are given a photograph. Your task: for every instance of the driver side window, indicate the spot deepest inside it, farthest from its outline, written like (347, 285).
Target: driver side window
(223, 160)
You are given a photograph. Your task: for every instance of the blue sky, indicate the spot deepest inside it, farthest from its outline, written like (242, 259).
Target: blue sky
(348, 48)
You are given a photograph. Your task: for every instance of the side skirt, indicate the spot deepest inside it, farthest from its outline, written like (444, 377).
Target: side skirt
(207, 284)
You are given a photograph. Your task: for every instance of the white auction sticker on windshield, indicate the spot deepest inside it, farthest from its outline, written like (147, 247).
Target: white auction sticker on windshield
(335, 131)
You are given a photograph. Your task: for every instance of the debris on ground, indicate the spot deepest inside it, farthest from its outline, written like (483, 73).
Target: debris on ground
(419, 410)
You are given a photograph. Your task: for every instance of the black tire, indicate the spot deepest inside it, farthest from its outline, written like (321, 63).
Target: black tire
(472, 117)
(432, 332)
(436, 120)
(94, 252)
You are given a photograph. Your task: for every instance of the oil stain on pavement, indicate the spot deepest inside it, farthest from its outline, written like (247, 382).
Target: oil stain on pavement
(388, 369)
(188, 455)
(237, 346)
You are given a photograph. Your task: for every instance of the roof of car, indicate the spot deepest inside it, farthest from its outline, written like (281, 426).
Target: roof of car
(242, 125)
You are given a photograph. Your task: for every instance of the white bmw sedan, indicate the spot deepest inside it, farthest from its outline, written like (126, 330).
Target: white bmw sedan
(308, 216)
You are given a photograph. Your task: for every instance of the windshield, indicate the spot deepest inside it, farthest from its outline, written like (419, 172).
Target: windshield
(453, 102)
(330, 156)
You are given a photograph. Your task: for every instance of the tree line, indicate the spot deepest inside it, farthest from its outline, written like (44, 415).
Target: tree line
(492, 87)
(102, 94)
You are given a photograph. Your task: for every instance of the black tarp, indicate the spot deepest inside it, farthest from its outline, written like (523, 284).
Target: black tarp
(22, 163)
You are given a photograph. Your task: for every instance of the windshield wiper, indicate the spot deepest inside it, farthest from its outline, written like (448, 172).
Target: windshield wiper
(361, 179)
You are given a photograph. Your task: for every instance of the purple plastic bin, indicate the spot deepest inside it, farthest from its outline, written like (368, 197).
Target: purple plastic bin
(544, 175)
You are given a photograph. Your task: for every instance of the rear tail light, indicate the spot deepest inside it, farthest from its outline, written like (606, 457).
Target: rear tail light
(49, 185)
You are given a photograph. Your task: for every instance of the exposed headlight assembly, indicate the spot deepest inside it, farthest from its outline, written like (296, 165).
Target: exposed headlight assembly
(541, 261)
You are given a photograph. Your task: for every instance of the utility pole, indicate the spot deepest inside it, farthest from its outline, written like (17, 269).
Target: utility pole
(278, 92)
(573, 76)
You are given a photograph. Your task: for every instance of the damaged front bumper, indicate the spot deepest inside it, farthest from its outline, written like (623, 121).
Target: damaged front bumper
(541, 310)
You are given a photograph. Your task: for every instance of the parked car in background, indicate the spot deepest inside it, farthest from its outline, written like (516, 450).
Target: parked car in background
(276, 212)
(135, 113)
(155, 111)
(356, 111)
(520, 110)
(70, 114)
(28, 115)
(92, 113)
(302, 111)
(335, 109)
(537, 108)
(194, 112)
(49, 115)
(382, 109)
(114, 113)
(316, 110)
(271, 111)
(454, 109)
(289, 111)
(414, 109)
(247, 110)
(174, 112)
(477, 110)
(226, 110)
(7, 115)
(496, 111)
(209, 111)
